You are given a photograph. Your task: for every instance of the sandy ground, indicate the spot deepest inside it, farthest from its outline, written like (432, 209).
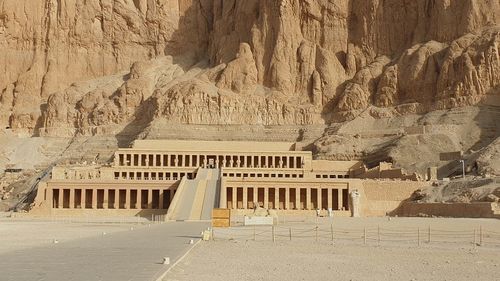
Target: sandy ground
(306, 259)
(26, 234)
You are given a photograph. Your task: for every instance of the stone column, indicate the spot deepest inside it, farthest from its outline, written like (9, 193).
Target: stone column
(161, 160)
(266, 198)
(276, 198)
(308, 199)
(94, 199)
(161, 199)
(83, 199)
(297, 197)
(320, 197)
(168, 161)
(340, 199)
(71, 198)
(60, 198)
(245, 197)
(255, 196)
(106, 199)
(287, 198)
(127, 199)
(150, 199)
(223, 197)
(330, 204)
(154, 160)
(138, 205)
(116, 203)
(235, 198)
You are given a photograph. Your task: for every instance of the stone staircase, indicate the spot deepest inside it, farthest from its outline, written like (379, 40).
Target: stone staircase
(195, 199)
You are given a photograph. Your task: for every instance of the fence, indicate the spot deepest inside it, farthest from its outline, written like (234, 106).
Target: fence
(152, 219)
(372, 235)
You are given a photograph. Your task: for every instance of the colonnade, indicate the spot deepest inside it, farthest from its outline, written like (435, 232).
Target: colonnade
(287, 198)
(96, 198)
(209, 160)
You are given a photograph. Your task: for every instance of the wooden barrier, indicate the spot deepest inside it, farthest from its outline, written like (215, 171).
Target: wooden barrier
(221, 218)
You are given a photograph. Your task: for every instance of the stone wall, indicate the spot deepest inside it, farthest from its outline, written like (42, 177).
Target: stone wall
(380, 197)
(457, 210)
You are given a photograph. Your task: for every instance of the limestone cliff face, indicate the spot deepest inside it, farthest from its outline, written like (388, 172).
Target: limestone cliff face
(77, 66)
(49, 44)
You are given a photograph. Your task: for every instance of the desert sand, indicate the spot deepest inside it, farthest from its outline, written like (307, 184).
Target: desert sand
(306, 259)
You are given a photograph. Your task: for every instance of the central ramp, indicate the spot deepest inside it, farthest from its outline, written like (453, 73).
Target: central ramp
(195, 199)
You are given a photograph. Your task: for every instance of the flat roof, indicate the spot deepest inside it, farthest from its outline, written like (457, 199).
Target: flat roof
(229, 146)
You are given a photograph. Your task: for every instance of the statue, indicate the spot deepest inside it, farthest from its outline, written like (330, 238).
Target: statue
(355, 203)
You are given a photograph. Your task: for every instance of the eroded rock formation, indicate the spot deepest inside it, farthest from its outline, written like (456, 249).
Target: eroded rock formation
(74, 66)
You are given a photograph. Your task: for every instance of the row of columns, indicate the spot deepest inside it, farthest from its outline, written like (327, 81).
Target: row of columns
(197, 160)
(340, 200)
(106, 193)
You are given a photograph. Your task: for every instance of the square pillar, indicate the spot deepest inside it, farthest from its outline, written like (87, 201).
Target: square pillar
(161, 198)
(330, 203)
(266, 197)
(168, 160)
(150, 199)
(245, 197)
(60, 198)
(319, 198)
(297, 197)
(71, 198)
(127, 199)
(83, 198)
(138, 204)
(256, 195)
(154, 160)
(308, 199)
(106, 199)
(234, 204)
(116, 203)
(276, 198)
(340, 199)
(161, 160)
(94, 199)
(287, 198)
(223, 197)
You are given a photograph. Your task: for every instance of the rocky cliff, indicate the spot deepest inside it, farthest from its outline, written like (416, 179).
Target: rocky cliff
(89, 67)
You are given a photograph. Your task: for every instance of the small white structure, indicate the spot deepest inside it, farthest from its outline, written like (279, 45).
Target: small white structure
(355, 203)
(258, 220)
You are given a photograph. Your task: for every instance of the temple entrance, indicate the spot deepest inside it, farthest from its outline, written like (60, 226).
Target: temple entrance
(211, 163)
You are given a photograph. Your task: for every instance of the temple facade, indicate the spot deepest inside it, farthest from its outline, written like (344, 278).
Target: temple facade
(186, 179)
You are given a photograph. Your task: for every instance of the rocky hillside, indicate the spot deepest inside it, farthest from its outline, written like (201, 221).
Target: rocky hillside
(97, 67)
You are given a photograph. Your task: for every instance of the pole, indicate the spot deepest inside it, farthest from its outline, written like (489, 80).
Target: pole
(418, 236)
(316, 233)
(429, 235)
(474, 238)
(272, 229)
(290, 233)
(364, 235)
(254, 233)
(331, 230)
(480, 235)
(378, 235)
